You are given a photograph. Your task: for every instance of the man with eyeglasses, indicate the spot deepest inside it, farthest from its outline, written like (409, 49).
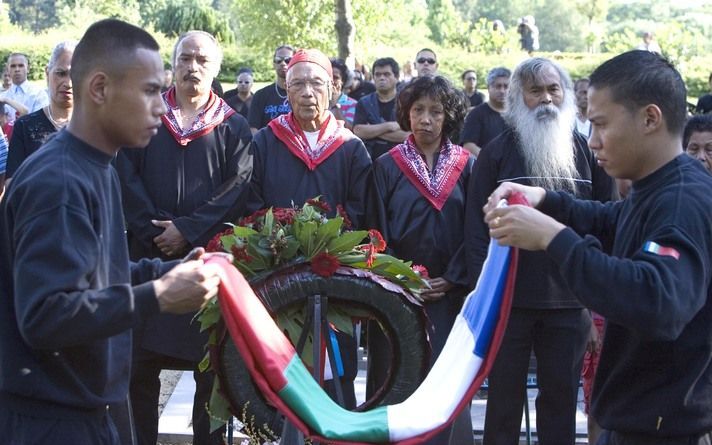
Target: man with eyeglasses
(426, 62)
(271, 101)
(241, 97)
(308, 153)
(375, 118)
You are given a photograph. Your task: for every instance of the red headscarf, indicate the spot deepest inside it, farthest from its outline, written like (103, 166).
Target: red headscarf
(312, 56)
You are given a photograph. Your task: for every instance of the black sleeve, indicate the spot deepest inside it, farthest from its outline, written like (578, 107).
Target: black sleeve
(583, 216)
(139, 208)
(472, 130)
(198, 227)
(654, 295)
(57, 252)
(359, 178)
(360, 116)
(255, 200)
(17, 149)
(457, 270)
(254, 116)
(481, 185)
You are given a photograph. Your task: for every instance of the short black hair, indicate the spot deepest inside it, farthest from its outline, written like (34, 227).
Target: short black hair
(638, 78)
(696, 124)
(290, 48)
(108, 43)
(387, 61)
(440, 89)
(346, 75)
(464, 73)
(426, 49)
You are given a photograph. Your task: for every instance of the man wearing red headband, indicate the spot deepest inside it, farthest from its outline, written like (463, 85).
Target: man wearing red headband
(308, 153)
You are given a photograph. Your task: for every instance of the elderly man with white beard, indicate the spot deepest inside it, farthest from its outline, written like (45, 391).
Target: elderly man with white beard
(539, 147)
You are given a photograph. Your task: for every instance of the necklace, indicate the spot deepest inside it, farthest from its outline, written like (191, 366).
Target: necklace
(276, 90)
(58, 125)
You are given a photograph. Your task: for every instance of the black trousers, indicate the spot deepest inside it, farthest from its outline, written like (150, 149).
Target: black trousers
(145, 391)
(23, 429)
(618, 438)
(558, 338)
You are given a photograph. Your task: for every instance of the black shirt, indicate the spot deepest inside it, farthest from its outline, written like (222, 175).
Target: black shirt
(386, 110)
(655, 372)
(539, 283)
(704, 104)
(267, 103)
(29, 133)
(66, 303)
(476, 99)
(363, 89)
(482, 124)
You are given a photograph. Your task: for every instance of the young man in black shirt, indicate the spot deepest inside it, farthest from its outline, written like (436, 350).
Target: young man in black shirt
(271, 101)
(375, 119)
(654, 380)
(485, 122)
(69, 296)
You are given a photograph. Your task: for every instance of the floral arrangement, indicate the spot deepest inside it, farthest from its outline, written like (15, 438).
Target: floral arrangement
(271, 238)
(274, 238)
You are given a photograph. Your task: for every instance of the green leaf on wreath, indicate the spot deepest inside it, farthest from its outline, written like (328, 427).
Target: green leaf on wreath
(209, 315)
(290, 251)
(269, 223)
(219, 408)
(329, 230)
(244, 232)
(305, 233)
(346, 242)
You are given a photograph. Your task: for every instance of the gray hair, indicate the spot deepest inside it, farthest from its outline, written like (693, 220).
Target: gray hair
(67, 46)
(499, 71)
(185, 35)
(529, 70)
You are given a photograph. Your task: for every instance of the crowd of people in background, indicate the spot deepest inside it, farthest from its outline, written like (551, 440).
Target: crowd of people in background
(398, 147)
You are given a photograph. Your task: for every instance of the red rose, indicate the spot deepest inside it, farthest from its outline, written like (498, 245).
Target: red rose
(324, 264)
(379, 244)
(421, 270)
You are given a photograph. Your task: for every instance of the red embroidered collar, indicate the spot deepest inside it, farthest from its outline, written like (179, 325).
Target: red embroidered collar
(437, 185)
(214, 113)
(331, 136)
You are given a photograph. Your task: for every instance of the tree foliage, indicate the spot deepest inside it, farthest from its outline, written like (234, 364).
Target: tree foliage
(176, 18)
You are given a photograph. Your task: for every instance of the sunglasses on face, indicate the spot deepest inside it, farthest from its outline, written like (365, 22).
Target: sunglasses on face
(244, 81)
(427, 60)
(277, 60)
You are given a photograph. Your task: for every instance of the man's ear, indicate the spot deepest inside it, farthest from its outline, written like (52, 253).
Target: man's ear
(653, 118)
(98, 83)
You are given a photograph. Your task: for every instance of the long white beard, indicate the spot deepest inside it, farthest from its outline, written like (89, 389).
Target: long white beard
(546, 142)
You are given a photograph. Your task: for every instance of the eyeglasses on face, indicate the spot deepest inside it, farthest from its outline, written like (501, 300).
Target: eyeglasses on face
(277, 60)
(300, 85)
(428, 60)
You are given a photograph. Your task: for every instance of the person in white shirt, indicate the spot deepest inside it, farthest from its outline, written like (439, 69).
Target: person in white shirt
(21, 91)
(583, 125)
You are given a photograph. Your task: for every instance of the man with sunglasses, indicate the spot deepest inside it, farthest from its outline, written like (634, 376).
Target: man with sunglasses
(241, 97)
(426, 63)
(271, 101)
